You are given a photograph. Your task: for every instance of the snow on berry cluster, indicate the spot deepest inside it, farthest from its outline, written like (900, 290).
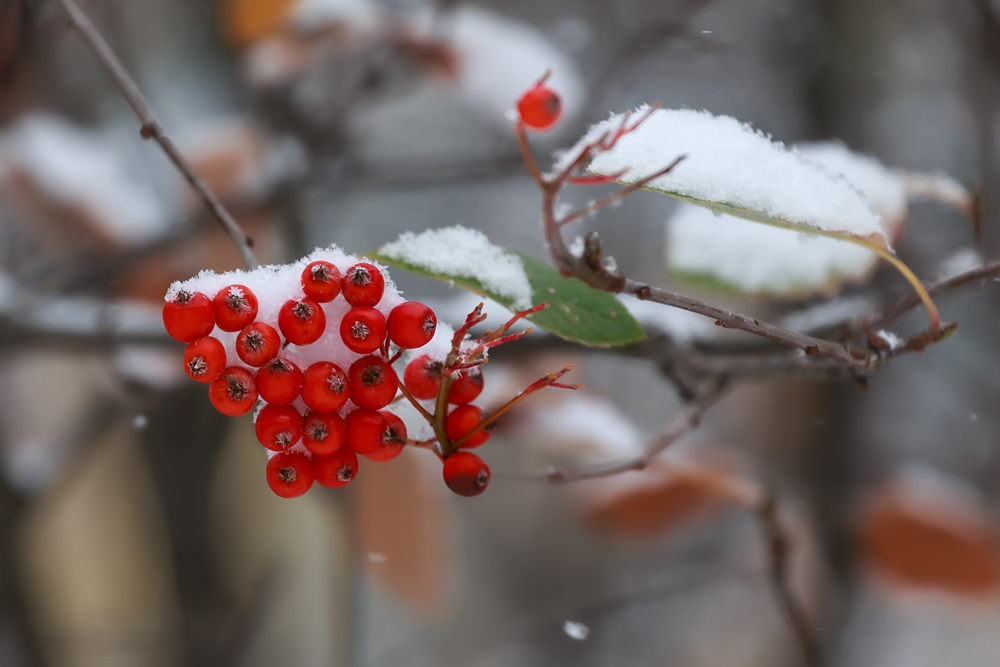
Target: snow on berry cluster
(313, 344)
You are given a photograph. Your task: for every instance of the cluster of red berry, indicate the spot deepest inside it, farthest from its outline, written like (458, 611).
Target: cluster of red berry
(341, 413)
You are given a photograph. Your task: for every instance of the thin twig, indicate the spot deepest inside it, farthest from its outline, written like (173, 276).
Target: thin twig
(778, 550)
(151, 129)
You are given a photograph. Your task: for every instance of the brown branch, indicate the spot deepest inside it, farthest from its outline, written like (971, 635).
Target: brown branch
(688, 419)
(778, 550)
(151, 128)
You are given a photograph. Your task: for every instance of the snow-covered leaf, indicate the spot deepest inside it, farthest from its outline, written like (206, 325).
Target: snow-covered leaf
(466, 258)
(731, 168)
(727, 253)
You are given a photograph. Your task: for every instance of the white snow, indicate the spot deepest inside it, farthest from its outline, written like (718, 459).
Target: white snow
(966, 259)
(274, 285)
(585, 426)
(78, 167)
(761, 259)
(732, 164)
(889, 337)
(317, 15)
(501, 58)
(830, 313)
(461, 252)
(576, 630)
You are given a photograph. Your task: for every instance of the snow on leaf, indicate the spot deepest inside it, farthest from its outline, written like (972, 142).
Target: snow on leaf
(731, 168)
(730, 253)
(465, 258)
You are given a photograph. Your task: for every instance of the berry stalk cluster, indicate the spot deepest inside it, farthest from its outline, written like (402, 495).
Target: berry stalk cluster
(317, 356)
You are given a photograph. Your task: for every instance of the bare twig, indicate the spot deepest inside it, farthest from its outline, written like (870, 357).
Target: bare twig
(778, 550)
(151, 128)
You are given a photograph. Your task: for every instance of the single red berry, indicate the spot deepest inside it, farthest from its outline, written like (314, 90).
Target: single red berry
(324, 387)
(363, 329)
(321, 281)
(466, 474)
(422, 377)
(257, 344)
(302, 321)
(365, 429)
(235, 307)
(188, 316)
(290, 474)
(467, 387)
(372, 383)
(393, 438)
(540, 108)
(278, 427)
(204, 359)
(463, 419)
(363, 285)
(233, 393)
(411, 325)
(337, 469)
(323, 432)
(279, 381)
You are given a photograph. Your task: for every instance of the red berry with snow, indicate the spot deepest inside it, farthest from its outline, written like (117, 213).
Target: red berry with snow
(363, 330)
(234, 392)
(365, 430)
(257, 344)
(540, 108)
(393, 438)
(204, 359)
(188, 316)
(363, 285)
(463, 419)
(279, 381)
(422, 377)
(290, 474)
(301, 321)
(337, 469)
(372, 383)
(235, 307)
(466, 388)
(411, 325)
(466, 474)
(321, 281)
(323, 432)
(278, 427)
(324, 387)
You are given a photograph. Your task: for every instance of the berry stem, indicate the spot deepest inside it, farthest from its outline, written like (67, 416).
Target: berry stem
(413, 401)
(549, 380)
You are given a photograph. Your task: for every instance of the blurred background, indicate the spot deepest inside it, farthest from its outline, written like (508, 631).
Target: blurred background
(136, 527)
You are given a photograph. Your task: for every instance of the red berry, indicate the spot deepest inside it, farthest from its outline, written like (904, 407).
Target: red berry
(324, 387)
(466, 474)
(321, 281)
(372, 383)
(279, 381)
(363, 330)
(365, 430)
(290, 474)
(467, 387)
(540, 108)
(363, 285)
(301, 321)
(204, 359)
(392, 438)
(463, 419)
(422, 377)
(188, 316)
(257, 344)
(411, 325)
(337, 469)
(323, 432)
(233, 393)
(278, 427)
(235, 307)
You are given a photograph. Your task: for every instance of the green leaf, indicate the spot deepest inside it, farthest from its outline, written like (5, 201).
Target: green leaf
(576, 312)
